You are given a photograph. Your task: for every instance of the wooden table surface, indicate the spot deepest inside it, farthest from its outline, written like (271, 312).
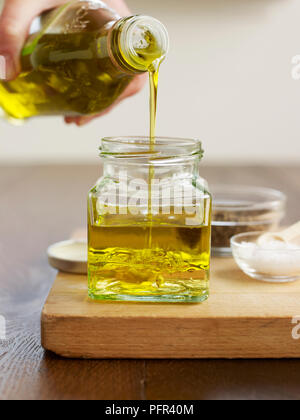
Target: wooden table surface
(42, 205)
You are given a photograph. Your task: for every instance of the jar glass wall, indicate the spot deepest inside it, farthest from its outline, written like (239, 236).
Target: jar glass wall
(149, 219)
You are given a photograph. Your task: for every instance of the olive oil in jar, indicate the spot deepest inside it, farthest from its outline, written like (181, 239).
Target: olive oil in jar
(123, 267)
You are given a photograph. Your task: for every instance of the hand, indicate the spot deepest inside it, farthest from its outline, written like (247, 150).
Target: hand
(15, 23)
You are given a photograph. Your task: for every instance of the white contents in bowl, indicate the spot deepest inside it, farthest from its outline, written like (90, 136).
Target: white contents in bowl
(278, 259)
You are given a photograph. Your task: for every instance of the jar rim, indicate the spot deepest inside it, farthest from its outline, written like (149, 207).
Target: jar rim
(139, 147)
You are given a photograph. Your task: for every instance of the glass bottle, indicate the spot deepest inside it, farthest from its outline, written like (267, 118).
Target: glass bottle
(149, 236)
(79, 59)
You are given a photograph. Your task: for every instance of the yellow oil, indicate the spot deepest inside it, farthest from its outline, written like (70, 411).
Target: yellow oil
(123, 267)
(154, 62)
(71, 76)
(153, 79)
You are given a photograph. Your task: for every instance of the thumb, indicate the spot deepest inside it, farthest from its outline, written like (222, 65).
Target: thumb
(15, 22)
(14, 27)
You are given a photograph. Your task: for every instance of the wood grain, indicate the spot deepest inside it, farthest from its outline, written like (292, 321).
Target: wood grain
(42, 205)
(223, 379)
(242, 319)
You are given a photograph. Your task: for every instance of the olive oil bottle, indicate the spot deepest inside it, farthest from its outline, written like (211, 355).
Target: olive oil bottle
(79, 59)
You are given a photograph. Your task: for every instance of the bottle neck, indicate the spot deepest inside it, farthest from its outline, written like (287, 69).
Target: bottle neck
(137, 44)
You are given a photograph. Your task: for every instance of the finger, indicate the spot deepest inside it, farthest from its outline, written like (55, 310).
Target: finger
(80, 121)
(69, 120)
(15, 23)
(120, 6)
(133, 88)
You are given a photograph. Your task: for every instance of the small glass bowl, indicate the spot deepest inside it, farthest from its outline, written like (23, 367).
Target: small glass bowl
(270, 264)
(239, 209)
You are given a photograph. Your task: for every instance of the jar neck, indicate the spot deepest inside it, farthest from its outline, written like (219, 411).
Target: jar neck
(137, 43)
(179, 169)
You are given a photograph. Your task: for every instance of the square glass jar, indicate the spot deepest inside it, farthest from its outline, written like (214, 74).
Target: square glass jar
(149, 222)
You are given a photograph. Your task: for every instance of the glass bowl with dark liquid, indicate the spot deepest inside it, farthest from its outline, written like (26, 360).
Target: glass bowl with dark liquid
(239, 209)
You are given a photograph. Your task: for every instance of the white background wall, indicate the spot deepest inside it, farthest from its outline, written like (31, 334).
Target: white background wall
(227, 81)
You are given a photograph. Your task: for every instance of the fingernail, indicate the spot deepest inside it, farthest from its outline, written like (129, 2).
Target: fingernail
(7, 67)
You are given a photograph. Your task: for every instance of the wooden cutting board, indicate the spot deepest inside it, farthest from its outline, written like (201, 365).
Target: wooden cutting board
(243, 318)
